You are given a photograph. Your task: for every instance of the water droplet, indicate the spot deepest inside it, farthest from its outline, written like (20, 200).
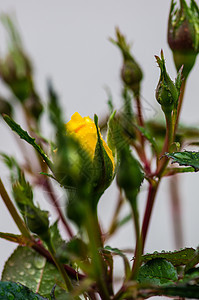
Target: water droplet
(31, 271)
(11, 263)
(21, 273)
(27, 265)
(39, 262)
(8, 278)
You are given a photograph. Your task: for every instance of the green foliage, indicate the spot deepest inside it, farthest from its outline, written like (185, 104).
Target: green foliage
(31, 269)
(25, 136)
(185, 158)
(177, 258)
(157, 272)
(79, 265)
(17, 291)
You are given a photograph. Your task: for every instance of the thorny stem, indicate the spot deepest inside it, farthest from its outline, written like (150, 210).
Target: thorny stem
(12, 210)
(180, 101)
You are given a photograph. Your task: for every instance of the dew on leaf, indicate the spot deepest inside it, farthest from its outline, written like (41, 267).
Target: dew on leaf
(39, 262)
(31, 271)
(21, 273)
(11, 263)
(27, 265)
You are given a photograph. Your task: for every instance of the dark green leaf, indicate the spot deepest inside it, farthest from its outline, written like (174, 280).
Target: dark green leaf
(157, 272)
(17, 291)
(186, 158)
(177, 258)
(181, 290)
(55, 235)
(25, 136)
(31, 269)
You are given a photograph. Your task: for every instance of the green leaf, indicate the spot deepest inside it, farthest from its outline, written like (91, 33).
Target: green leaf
(177, 258)
(193, 261)
(157, 272)
(186, 158)
(55, 235)
(16, 291)
(181, 290)
(31, 269)
(25, 136)
(116, 251)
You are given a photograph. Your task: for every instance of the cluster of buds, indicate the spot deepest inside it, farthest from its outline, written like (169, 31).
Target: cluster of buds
(183, 34)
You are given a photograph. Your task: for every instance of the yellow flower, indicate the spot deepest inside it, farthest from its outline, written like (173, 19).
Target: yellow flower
(84, 130)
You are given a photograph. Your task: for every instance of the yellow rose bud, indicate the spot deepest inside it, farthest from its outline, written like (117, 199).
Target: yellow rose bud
(84, 130)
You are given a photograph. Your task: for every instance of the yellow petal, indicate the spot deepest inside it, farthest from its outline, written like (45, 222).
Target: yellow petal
(84, 130)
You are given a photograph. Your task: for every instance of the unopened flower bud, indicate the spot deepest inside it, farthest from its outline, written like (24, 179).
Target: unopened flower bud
(131, 72)
(129, 175)
(132, 75)
(166, 92)
(183, 34)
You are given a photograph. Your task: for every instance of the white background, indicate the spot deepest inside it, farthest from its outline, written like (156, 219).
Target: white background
(68, 42)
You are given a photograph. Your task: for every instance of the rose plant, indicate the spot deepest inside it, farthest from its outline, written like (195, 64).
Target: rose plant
(45, 265)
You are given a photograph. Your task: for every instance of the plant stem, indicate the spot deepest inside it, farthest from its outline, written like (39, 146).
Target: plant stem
(180, 101)
(138, 254)
(139, 111)
(12, 210)
(153, 187)
(168, 141)
(176, 212)
(60, 268)
(95, 243)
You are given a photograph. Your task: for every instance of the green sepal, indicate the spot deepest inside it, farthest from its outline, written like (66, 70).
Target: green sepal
(102, 165)
(166, 92)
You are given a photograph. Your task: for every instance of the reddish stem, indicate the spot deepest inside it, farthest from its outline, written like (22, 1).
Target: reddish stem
(148, 211)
